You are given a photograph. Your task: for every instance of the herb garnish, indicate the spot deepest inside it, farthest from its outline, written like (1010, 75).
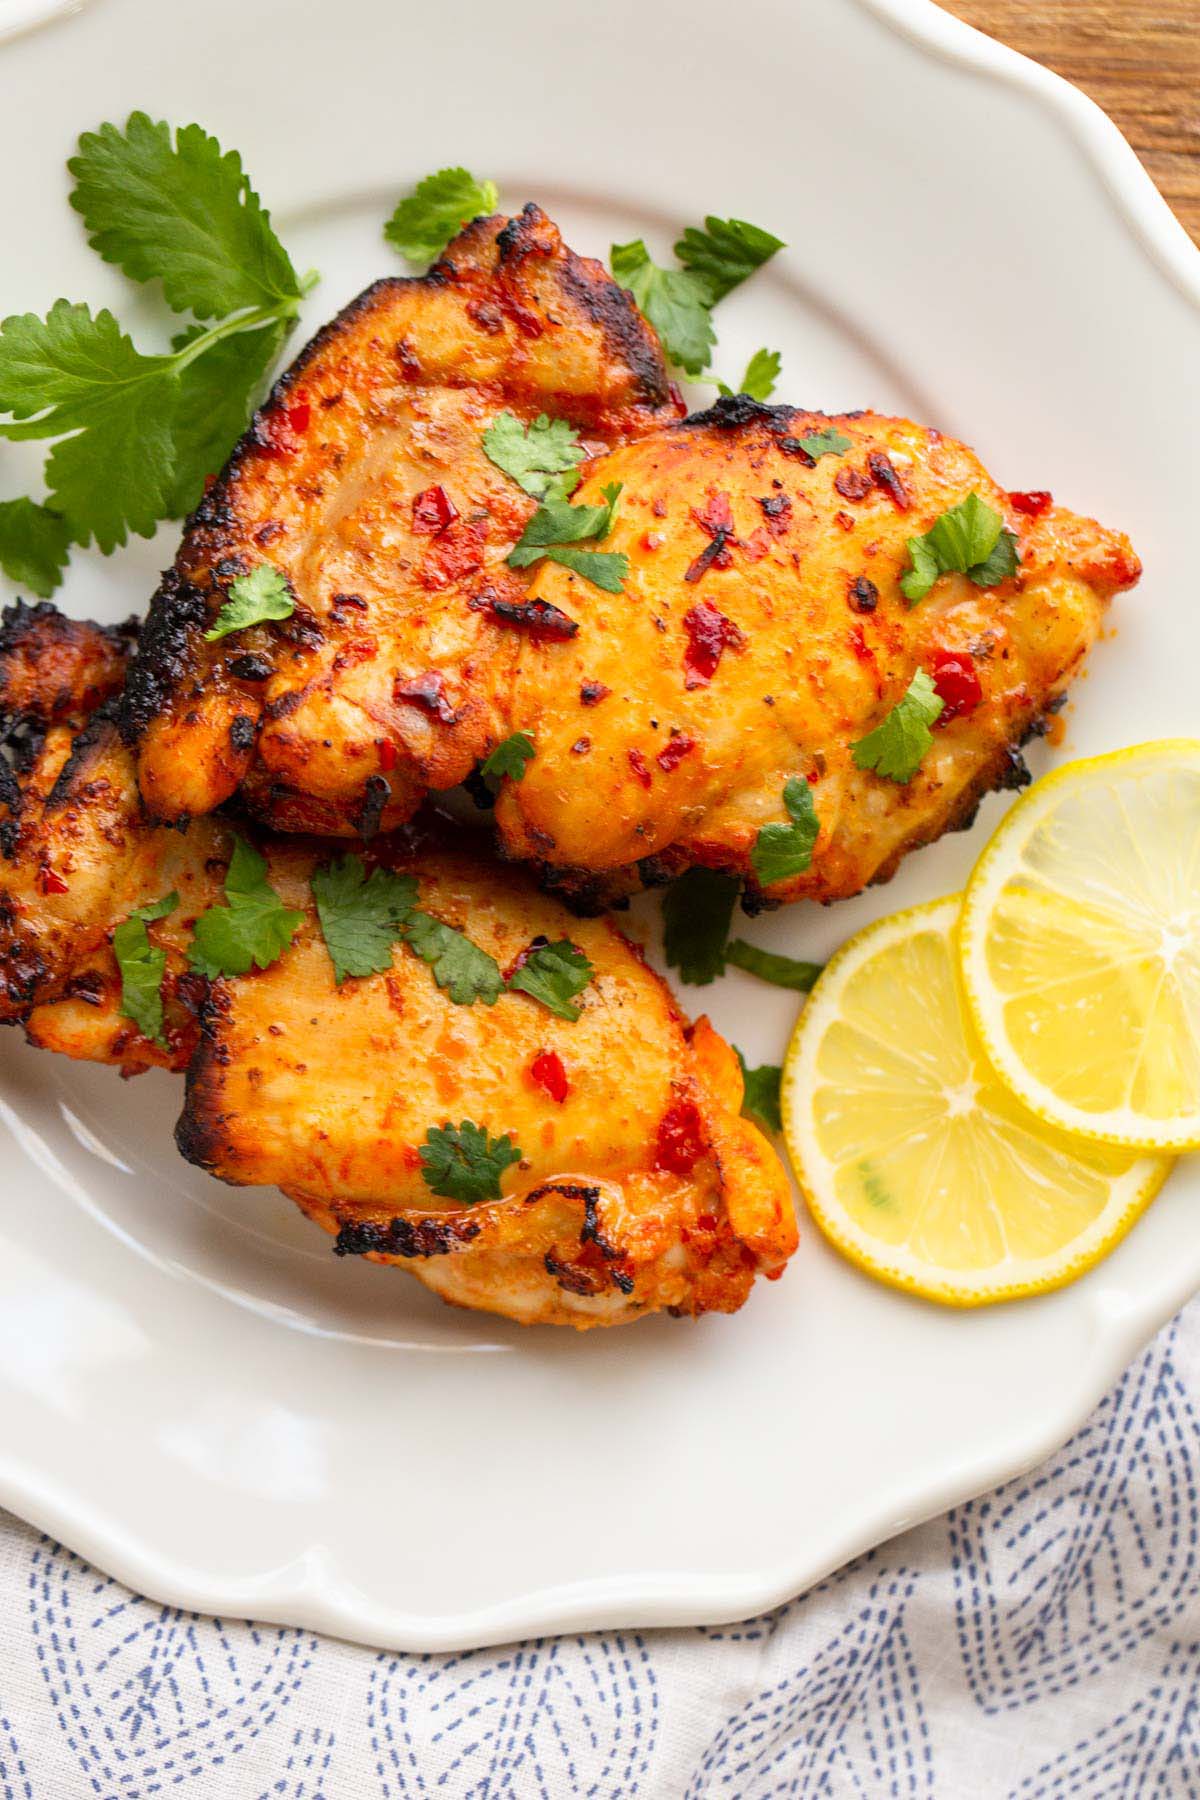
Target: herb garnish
(824, 443)
(34, 545)
(762, 372)
(557, 525)
(678, 302)
(510, 758)
(436, 210)
(725, 253)
(895, 747)
(697, 910)
(461, 967)
(970, 539)
(554, 974)
(142, 968)
(760, 1101)
(533, 454)
(461, 1162)
(252, 930)
(781, 971)
(781, 851)
(253, 599)
(362, 916)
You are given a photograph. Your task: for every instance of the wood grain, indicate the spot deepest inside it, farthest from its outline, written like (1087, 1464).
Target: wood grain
(1140, 59)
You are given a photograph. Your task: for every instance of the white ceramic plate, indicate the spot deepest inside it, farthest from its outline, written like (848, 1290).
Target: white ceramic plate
(193, 1393)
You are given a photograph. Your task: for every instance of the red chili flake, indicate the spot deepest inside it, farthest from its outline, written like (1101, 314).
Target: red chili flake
(852, 484)
(432, 511)
(299, 416)
(652, 540)
(885, 477)
(539, 618)
(845, 520)
(709, 633)
(280, 429)
(592, 692)
(659, 508)
(548, 1072)
(957, 683)
(673, 752)
(640, 767)
(581, 746)
(756, 546)
(777, 512)
(1032, 504)
(428, 692)
(679, 1144)
(858, 644)
(50, 882)
(454, 552)
(387, 753)
(715, 515)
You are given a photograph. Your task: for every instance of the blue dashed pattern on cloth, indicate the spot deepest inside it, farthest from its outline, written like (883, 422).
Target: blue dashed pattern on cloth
(1042, 1643)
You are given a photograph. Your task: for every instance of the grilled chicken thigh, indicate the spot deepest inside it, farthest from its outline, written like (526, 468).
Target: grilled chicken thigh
(632, 1182)
(762, 631)
(364, 481)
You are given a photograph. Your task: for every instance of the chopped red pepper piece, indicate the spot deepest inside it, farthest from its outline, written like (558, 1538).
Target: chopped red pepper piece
(709, 634)
(432, 511)
(1032, 504)
(674, 751)
(428, 692)
(50, 881)
(957, 683)
(756, 546)
(640, 766)
(387, 753)
(680, 1143)
(548, 1072)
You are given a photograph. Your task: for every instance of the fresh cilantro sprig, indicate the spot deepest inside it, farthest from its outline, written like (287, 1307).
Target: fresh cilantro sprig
(253, 928)
(361, 916)
(781, 851)
(760, 1099)
(253, 599)
(465, 971)
(969, 539)
(824, 443)
(34, 545)
(679, 302)
(554, 974)
(142, 967)
(781, 971)
(556, 526)
(896, 746)
(762, 372)
(136, 434)
(533, 454)
(436, 210)
(697, 911)
(510, 758)
(463, 1162)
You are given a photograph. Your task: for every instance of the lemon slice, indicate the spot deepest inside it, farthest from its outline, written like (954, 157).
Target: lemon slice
(915, 1159)
(1080, 946)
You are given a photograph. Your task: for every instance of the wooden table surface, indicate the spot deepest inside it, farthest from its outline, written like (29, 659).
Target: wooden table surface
(1140, 59)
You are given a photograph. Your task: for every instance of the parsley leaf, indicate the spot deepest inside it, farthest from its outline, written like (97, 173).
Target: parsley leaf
(725, 253)
(554, 974)
(697, 910)
(254, 929)
(556, 525)
(461, 1162)
(253, 599)
(768, 965)
(361, 915)
(760, 1100)
(34, 545)
(676, 302)
(508, 758)
(896, 746)
(969, 539)
(825, 443)
(532, 454)
(762, 372)
(183, 213)
(461, 967)
(214, 397)
(142, 967)
(438, 207)
(781, 851)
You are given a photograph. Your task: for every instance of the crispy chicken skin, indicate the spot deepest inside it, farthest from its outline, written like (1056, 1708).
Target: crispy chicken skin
(650, 758)
(364, 481)
(640, 1188)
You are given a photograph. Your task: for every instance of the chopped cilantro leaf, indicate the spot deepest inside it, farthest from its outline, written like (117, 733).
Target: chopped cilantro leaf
(461, 967)
(508, 758)
(697, 910)
(34, 545)
(362, 916)
(725, 253)
(762, 372)
(824, 443)
(461, 1162)
(895, 747)
(532, 454)
(969, 539)
(676, 302)
(557, 525)
(760, 1099)
(781, 851)
(769, 965)
(554, 974)
(142, 967)
(253, 599)
(253, 930)
(436, 210)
